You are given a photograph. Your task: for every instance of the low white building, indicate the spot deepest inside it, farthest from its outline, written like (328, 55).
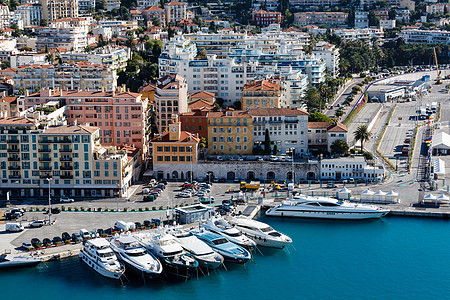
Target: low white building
(354, 167)
(27, 58)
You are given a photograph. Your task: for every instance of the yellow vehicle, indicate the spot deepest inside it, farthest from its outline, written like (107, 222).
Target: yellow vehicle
(275, 185)
(253, 185)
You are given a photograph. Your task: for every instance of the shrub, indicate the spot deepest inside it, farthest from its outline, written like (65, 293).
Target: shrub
(63, 208)
(75, 208)
(140, 209)
(133, 209)
(69, 208)
(89, 209)
(356, 88)
(153, 208)
(125, 209)
(99, 209)
(82, 208)
(106, 209)
(161, 208)
(146, 208)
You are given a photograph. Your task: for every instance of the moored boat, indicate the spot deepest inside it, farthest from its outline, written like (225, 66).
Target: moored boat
(8, 261)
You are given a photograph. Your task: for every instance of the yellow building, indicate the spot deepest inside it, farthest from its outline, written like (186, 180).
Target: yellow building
(174, 153)
(263, 94)
(8, 106)
(230, 132)
(148, 92)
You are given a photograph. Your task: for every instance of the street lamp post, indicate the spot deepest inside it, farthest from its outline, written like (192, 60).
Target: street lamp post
(49, 202)
(191, 148)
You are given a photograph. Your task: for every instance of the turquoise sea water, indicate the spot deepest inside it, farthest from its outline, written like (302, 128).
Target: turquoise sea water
(391, 258)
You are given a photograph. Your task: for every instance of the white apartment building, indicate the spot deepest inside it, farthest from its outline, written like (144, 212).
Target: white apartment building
(308, 4)
(330, 54)
(85, 5)
(359, 33)
(425, 36)
(59, 9)
(350, 167)
(8, 47)
(271, 5)
(288, 128)
(171, 99)
(141, 4)
(82, 75)
(4, 16)
(361, 19)
(31, 14)
(70, 155)
(114, 57)
(27, 58)
(321, 135)
(295, 83)
(175, 12)
(112, 4)
(67, 38)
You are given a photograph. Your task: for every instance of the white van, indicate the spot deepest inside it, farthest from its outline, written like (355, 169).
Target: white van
(121, 225)
(13, 227)
(85, 235)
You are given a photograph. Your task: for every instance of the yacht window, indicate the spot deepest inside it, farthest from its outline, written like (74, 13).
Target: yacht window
(328, 204)
(220, 241)
(172, 253)
(136, 254)
(267, 229)
(234, 234)
(105, 254)
(276, 234)
(313, 204)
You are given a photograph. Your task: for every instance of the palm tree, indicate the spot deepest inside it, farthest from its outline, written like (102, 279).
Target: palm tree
(49, 58)
(361, 134)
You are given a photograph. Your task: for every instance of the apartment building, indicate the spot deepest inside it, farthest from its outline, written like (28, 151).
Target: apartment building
(265, 18)
(295, 83)
(141, 4)
(321, 135)
(309, 4)
(425, 36)
(263, 94)
(115, 57)
(59, 9)
(175, 12)
(120, 115)
(8, 106)
(84, 6)
(230, 132)
(359, 33)
(436, 8)
(5, 19)
(112, 4)
(174, 152)
(271, 5)
(152, 12)
(330, 54)
(64, 154)
(195, 120)
(31, 14)
(288, 129)
(68, 38)
(170, 99)
(327, 18)
(67, 76)
(361, 19)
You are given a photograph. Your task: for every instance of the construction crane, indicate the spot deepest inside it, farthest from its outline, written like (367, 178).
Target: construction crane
(438, 78)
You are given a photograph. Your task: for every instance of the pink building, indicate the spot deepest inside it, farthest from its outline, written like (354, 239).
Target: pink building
(120, 115)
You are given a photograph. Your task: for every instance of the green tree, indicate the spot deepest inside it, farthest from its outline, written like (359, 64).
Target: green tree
(362, 134)
(339, 147)
(267, 147)
(318, 117)
(49, 58)
(156, 22)
(275, 149)
(313, 100)
(43, 23)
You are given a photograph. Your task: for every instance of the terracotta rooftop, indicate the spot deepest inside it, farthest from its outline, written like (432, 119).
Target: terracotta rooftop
(89, 94)
(153, 8)
(71, 129)
(229, 114)
(185, 137)
(149, 87)
(199, 104)
(261, 85)
(329, 126)
(277, 112)
(175, 3)
(17, 121)
(8, 99)
(207, 96)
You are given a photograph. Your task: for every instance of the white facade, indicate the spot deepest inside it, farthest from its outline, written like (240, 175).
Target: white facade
(271, 5)
(112, 4)
(4, 16)
(115, 57)
(84, 5)
(27, 58)
(350, 167)
(68, 38)
(387, 24)
(141, 4)
(361, 19)
(359, 33)
(425, 36)
(330, 54)
(31, 14)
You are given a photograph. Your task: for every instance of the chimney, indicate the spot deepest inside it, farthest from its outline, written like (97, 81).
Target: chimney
(75, 123)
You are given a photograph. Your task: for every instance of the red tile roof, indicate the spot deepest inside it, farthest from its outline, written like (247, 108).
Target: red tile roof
(17, 121)
(261, 85)
(185, 137)
(277, 112)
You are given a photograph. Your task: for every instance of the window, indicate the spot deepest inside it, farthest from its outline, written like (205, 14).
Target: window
(159, 158)
(159, 149)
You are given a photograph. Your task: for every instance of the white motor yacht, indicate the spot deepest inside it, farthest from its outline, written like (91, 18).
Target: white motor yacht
(176, 261)
(204, 254)
(98, 255)
(8, 261)
(136, 257)
(326, 208)
(220, 226)
(261, 233)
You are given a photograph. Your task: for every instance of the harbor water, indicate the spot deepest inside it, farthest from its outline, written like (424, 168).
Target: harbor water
(391, 258)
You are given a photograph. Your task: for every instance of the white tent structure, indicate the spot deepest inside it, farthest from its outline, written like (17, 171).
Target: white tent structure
(392, 197)
(344, 194)
(430, 198)
(439, 168)
(441, 143)
(379, 196)
(367, 195)
(442, 198)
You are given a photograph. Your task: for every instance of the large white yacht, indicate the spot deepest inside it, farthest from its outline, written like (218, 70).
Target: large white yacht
(219, 225)
(164, 246)
(98, 255)
(136, 257)
(204, 254)
(261, 233)
(325, 208)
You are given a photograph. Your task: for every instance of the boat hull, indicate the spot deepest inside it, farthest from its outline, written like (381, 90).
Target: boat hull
(231, 258)
(265, 242)
(18, 265)
(209, 263)
(93, 264)
(176, 270)
(341, 215)
(136, 269)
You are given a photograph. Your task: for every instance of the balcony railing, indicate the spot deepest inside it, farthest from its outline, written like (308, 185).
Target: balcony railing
(65, 150)
(13, 141)
(45, 176)
(45, 168)
(46, 142)
(13, 158)
(45, 159)
(65, 141)
(66, 176)
(290, 121)
(13, 150)
(14, 176)
(66, 168)
(14, 168)
(65, 158)
(44, 150)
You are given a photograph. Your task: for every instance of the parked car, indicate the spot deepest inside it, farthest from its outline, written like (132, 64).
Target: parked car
(66, 238)
(76, 238)
(19, 211)
(184, 194)
(47, 243)
(85, 235)
(57, 241)
(37, 244)
(94, 234)
(36, 223)
(139, 225)
(66, 200)
(200, 194)
(56, 210)
(27, 246)
(101, 233)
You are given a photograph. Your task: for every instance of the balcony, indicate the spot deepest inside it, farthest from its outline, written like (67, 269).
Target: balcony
(45, 168)
(290, 121)
(275, 121)
(65, 141)
(66, 176)
(65, 158)
(45, 150)
(13, 158)
(66, 168)
(45, 176)
(14, 176)
(13, 141)
(13, 150)
(14, 168)
(45, 159)
(46, 142)
(259, 122)
(65, 150)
